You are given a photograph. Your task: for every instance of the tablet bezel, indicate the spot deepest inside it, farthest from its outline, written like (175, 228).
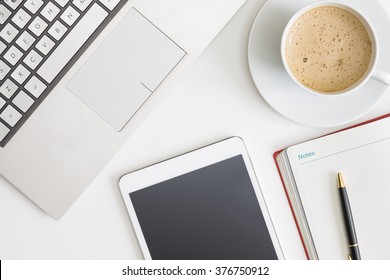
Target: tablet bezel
(185, 163)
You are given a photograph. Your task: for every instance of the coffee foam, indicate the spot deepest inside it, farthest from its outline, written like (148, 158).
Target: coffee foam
(328, 49)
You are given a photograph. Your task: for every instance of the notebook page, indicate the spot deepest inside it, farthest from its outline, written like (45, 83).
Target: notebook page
(362, 154)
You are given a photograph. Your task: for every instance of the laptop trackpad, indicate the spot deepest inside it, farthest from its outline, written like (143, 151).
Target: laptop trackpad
(125, 69)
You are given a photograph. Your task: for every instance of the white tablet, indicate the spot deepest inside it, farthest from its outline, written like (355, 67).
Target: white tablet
(202, 205)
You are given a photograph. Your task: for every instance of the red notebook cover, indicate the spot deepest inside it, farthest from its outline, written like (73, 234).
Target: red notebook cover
(284, 186)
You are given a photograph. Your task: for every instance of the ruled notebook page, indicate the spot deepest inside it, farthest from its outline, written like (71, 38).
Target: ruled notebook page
(362, 154)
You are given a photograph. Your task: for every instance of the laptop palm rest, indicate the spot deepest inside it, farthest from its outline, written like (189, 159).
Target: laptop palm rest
(125, 69)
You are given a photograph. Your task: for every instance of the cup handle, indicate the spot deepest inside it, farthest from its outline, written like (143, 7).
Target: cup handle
(381, 76)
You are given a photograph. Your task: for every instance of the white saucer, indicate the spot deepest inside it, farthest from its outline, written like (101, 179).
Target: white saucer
(287, 98)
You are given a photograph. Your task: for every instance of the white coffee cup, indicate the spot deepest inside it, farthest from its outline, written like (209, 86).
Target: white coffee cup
(372, 71)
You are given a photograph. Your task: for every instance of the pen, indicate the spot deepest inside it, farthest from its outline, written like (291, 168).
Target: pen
(347, 213)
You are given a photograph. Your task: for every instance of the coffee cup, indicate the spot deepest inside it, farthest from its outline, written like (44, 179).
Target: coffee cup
(330, 49)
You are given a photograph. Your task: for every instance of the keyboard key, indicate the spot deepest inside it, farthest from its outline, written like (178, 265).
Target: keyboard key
(4, 69)
(62, 3)
(50, 11)
(35, 86)
(13, 4)
(25, 41)
(110, 4)
(3, 131)
(70, 16)
(23, 101)
(33, 5)
(8, 88)
(71, 44)
(20, 74)
(10, 115)
(57, 30)
(45, 45)
(4, 14)
(2, 47)
(37, 26)
(13, 55)
(2, 102)
(32, 59)
(21, 18)
(8, 33)
(82, 4)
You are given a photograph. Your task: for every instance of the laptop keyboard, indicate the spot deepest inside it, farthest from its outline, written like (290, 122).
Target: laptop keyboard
(39, 41)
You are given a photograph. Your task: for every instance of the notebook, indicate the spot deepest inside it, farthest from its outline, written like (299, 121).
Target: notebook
(309, 174)
(74, 76)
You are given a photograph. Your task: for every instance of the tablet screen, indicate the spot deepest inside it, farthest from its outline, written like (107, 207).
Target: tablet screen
(210, 213)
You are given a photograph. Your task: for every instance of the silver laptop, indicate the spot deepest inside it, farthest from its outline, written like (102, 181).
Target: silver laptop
(73, 75)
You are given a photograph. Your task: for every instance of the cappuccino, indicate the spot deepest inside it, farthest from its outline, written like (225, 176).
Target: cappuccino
(328, 49)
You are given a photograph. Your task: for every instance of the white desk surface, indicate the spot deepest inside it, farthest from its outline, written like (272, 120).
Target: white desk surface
(215, 99)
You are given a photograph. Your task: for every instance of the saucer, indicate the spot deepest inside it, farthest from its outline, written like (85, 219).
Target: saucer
(286, 97)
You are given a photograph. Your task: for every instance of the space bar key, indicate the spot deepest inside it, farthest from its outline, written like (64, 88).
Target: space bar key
(72, 43)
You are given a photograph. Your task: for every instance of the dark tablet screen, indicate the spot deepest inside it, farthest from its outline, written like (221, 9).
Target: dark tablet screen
(211, 213)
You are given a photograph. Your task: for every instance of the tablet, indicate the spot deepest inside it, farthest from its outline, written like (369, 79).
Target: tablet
(202, 205)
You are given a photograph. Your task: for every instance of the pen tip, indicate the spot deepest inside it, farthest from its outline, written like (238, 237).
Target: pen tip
(341, 180)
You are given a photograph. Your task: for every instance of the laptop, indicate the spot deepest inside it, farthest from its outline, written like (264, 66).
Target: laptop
(74, 79)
